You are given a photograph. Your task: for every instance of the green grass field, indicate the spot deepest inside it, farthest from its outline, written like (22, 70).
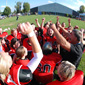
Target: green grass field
(12, 23)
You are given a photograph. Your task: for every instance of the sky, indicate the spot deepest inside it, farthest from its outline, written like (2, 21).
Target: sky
(73, 4)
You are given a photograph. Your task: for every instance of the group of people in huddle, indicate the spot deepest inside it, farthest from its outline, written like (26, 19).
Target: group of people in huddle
(30, 55)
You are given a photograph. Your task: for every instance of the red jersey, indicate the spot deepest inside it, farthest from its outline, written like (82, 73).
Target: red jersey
(11, 51)
(10, 37)
(26, 44)
(40, 39)
(44, 30)
(22, 61)
(62, 31)
(37, 28)
(19, 35)
(44, 72)
(76, 80)
(13, 76)
(4, 34)
(5, 48)
(52, 40)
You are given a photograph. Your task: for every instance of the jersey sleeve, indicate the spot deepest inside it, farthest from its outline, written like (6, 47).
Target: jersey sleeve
(25, 75)
(34, 62)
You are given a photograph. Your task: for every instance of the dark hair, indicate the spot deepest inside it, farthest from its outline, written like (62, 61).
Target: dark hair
(1, 38)
(13, 41)
(45, 24)
(63, 22)
(32, 24)
(78, 34)
(47, 48)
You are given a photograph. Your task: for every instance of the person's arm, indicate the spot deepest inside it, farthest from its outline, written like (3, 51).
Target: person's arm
(57, 20)
(69, 22)
(26, 28)
(57, 23)
(42, 24)
(60, 39)
(37, 22)
(66, 33)
(83, 41)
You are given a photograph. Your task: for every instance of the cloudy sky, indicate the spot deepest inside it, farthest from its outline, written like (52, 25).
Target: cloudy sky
(73, 4)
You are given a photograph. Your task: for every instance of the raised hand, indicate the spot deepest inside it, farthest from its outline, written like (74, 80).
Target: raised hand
(43, 19)
(57, 17)
(69, 19)
(25, 28)
(36, 20)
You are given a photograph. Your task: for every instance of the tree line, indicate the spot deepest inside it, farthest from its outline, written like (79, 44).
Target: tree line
(26, 8)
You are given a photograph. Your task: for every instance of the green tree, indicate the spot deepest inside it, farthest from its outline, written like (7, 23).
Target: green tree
(18, 7)
(26, 7)
(7, 11)
(82, 9)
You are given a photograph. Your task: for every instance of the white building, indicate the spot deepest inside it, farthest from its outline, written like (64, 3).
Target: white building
(54, 8)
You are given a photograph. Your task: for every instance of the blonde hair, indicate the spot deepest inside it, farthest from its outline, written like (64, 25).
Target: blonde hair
(20, 51)
(66, 70)
(4, 69)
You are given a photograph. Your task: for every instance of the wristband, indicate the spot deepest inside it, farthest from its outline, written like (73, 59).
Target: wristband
(31, 34)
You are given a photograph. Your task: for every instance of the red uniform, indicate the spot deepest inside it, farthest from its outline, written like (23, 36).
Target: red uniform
(22, 61)
(37, 28)
(44, 72)
(52, 40)
(76, 80)
(62, 31)
(10, 37)
(13, 77)
(5, 48)
(4, 34)
(26, 44)
(19, 35)
(44, 30)
(11, 51)
(40, 39)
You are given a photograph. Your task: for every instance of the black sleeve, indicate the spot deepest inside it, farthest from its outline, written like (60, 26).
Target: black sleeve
(25, 75)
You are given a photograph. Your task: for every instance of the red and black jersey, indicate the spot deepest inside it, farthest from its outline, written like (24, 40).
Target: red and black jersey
(5, 48)
(37, 28)
(62, 31)
(18, 75)
(40, 39)
(11, 51)
(4, 34)
(51, 39)
(44, 72)
(22, 61)
(10, 37)
(26, 44)
(44, 30)
(19, 35)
